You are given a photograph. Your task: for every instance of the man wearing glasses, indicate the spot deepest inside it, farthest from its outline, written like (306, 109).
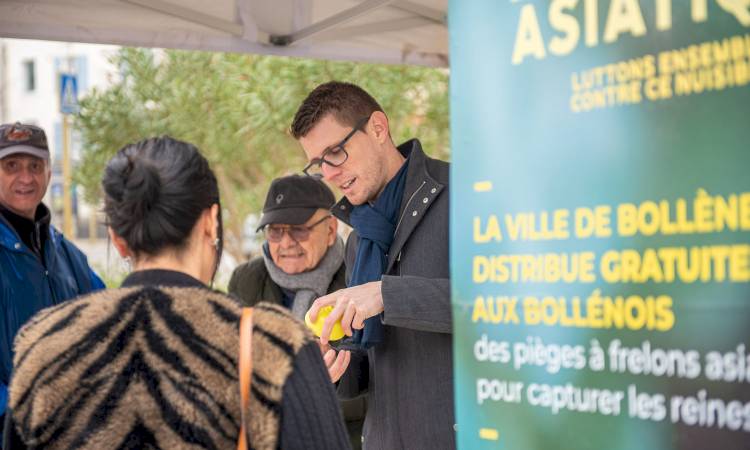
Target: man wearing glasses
(397, 306)
(303, 259)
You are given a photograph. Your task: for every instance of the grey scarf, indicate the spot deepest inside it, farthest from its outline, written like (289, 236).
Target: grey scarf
(309, 285)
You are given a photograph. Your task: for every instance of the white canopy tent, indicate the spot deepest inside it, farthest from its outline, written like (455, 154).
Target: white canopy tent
(387, 31)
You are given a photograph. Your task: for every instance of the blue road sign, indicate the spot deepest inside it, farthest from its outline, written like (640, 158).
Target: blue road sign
(68, 94)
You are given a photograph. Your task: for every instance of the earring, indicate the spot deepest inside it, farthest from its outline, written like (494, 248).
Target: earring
(216, 244)
(128, 263)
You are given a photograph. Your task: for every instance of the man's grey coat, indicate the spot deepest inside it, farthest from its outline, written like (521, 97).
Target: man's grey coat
(410, 376)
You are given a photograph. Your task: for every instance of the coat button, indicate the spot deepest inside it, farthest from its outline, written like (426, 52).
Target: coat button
(433, 190)
(342, 207)
(425, 200)
(17, 246)
(414, 214)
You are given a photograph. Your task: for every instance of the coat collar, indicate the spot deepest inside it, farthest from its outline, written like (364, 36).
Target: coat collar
(10, 239)
(160, 277)
(419, 194)
(33, 233)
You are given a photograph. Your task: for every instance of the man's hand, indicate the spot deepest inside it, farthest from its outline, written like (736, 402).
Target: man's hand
(352, 306)
(336, 363)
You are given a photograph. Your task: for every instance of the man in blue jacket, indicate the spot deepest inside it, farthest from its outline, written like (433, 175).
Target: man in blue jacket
(38, 266)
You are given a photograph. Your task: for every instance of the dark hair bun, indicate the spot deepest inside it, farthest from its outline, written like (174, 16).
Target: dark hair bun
(155, 191)
(142, 190)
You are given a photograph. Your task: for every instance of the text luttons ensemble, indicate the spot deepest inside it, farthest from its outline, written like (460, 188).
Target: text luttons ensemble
(709, 66)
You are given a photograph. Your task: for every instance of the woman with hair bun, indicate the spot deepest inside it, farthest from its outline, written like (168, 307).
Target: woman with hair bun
(153, 364)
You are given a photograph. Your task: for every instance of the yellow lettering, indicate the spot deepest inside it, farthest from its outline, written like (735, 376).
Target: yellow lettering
(564, 23)
(591, 19)
(635, 312)
(726, 213)
(699, 10)
(632, 313)
(739, 264)
(531, 313)
(739, 9)
(514, 224)
(664, 313)
(610, 266)
(663, 14)
(492, 232)
(481, 269)
(480, 312)
(624, 16)
(648, 218)
(745, 211)
(627, 219)
(528, 37)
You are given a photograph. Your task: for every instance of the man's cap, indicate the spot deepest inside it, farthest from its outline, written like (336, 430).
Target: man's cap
(293, 199)
(21, 138)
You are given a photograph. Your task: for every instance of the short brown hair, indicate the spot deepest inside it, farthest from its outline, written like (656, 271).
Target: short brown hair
(347, 102)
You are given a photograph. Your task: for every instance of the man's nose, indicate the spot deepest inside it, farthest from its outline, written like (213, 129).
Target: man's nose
(329, 172)
(26, 175)
(287, 240)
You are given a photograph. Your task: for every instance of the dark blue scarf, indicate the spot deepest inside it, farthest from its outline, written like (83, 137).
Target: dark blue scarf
(375, 225)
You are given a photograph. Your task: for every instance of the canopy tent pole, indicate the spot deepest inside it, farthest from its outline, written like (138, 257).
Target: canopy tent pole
(426, 12)
(190, 15)
(373, 28)
(328, 23)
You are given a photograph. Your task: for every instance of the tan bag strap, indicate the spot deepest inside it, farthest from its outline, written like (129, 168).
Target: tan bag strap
(245, 368)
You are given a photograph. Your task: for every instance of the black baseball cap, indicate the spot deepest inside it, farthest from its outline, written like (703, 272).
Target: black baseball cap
(293, 199)
(21, 138)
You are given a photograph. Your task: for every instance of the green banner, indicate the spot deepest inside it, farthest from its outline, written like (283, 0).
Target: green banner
(600, 223)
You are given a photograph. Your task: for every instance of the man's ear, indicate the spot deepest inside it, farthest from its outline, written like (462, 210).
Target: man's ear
(379, 126)
(120, 245)
(333, 226)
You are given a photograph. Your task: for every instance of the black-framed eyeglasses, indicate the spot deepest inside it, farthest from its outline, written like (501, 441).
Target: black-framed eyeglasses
(299, 233)
(335, 155)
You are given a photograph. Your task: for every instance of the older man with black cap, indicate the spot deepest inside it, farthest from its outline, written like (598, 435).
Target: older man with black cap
(38, 266)
(303, 259)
